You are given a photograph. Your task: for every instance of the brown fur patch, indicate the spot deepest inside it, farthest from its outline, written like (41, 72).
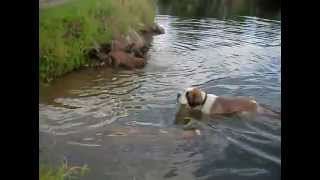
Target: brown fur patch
(194, 97)
(229, 105)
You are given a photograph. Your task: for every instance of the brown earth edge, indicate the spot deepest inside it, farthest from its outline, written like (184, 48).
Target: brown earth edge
(127, 51)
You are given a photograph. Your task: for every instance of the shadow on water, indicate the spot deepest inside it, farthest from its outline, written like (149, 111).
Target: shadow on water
(126, 124)
(221, 9)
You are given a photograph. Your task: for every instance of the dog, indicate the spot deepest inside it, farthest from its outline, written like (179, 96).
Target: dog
(210, 104)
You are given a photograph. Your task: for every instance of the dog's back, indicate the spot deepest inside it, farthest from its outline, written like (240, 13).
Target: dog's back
(229, 105)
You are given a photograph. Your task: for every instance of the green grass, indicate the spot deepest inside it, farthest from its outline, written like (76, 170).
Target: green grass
(67, 30)
(63, 172)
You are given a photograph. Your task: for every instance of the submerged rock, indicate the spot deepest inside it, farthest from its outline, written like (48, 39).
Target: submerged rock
(154, 29)
(157, 29)
(120, 58)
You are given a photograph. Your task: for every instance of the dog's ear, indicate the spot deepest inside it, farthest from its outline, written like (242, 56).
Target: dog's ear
(194, 97)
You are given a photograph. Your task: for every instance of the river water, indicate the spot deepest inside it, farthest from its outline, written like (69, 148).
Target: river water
(123, 124)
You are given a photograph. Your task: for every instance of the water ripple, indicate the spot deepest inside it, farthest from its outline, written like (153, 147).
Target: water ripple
(239, 56)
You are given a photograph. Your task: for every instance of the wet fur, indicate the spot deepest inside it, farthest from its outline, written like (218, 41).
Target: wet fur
(228, 105)
(194, 98)
(219, 105)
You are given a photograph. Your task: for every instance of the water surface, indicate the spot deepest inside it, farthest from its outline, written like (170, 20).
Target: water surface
(123, 124)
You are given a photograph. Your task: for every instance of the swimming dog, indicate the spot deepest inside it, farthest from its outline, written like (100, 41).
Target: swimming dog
(210, 104)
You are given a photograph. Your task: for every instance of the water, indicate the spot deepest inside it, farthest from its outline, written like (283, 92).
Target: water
(124, 124)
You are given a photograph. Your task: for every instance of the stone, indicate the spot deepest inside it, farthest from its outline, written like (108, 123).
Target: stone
(158, 29)
(120, 58)
(118, 45)
(133, 38)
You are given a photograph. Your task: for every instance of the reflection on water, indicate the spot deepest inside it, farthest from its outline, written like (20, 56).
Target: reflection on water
(124, 124)
(221, 9)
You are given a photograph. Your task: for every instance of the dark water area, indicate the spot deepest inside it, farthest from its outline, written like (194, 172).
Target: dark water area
(124, 124)
(221, 9)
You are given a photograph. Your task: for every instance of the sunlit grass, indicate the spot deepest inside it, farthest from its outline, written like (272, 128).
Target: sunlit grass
(63, 172)
(67, 30)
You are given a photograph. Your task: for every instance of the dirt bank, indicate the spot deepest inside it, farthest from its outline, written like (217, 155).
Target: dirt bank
(68, 29)
(127, 51)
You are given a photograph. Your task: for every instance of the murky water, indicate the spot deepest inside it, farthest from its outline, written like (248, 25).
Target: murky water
(123, 124)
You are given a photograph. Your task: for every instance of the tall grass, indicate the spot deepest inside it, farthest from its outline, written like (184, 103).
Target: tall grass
(62, 172)
(67, 30)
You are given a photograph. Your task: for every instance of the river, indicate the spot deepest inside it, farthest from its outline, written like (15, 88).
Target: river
(123, 124)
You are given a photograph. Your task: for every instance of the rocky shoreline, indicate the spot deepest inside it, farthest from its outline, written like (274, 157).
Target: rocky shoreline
(127, 51)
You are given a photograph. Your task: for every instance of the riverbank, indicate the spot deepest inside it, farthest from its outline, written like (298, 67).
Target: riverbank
(68, 30)
(62, 172)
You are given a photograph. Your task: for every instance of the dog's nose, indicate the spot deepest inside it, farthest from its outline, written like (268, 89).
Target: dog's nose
(178, 95)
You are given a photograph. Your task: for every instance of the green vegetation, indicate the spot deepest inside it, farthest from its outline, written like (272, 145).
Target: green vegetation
(62, 172)
(67, 30)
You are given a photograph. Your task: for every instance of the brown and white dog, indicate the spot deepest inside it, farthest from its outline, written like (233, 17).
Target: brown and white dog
(210, 104)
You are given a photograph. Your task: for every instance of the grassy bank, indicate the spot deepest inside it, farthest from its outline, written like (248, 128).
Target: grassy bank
(62, 172)
(67, 30)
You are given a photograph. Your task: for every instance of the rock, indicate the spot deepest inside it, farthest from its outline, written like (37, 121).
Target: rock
(138, 62)
(98, 54)
(142, 26)
(133, 38)
(120, 58)
(138, 43)
(105, 48)
(92, 53)
(102, 64)
(128, 51)
(118, 45)
(158, 29)
(137, 52)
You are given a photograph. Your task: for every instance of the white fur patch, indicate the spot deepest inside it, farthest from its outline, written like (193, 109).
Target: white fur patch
(254, 101)
(183, 98)
(206, 108)
(189, 89)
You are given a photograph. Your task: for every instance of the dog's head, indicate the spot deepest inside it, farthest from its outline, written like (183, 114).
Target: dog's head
(191, 97)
